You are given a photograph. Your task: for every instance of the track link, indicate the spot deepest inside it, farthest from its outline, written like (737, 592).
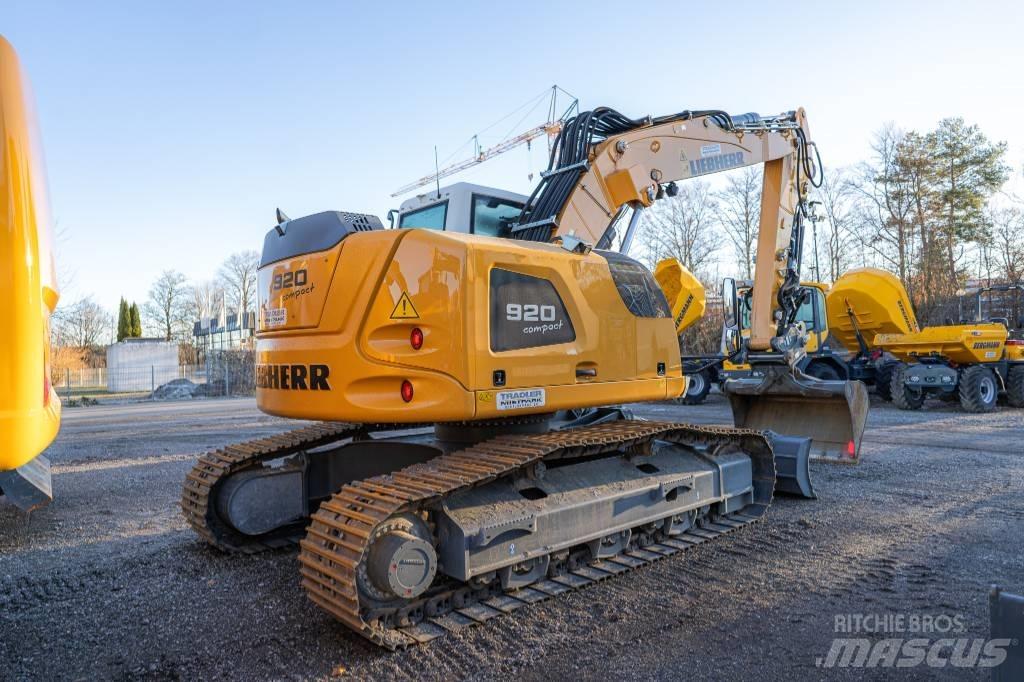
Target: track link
(339, 535)
(215, 466)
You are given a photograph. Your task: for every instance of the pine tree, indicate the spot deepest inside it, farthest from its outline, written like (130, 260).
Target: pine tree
(135, 321)
(124, 323)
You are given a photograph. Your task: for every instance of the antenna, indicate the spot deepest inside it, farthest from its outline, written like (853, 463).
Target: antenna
(437, 173)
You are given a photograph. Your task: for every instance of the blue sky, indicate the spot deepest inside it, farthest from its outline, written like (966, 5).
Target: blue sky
(173, 130)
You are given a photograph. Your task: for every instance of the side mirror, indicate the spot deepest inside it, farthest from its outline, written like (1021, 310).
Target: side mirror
(391, 217)
(730, 303)
(731, 339)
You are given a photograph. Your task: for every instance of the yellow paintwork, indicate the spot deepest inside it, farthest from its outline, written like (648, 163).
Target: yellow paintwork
(351, 318)
(684, 292)
(29, 408)
(962, 344)
(879, 303)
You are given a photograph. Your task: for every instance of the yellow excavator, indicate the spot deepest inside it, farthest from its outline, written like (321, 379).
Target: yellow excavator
(29, 407)
(466, 462)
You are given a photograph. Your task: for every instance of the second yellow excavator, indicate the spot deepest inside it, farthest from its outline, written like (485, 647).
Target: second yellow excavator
(468, 462)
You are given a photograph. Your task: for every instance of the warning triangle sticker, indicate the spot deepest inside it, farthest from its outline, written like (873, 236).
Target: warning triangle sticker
(404, 309)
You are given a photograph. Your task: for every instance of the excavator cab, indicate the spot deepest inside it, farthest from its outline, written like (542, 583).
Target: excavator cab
(29, 407)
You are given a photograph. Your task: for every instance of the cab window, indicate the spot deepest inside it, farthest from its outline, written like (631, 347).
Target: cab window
(491, 214)
(805, 314)
(431, 217)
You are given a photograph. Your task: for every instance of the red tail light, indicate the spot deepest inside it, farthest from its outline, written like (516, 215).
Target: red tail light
(1015, 342)
(407, 390)
(851, 449)
(416, 338)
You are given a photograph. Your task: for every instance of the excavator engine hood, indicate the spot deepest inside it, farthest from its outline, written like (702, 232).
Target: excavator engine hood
(777, 398)
(29, 407)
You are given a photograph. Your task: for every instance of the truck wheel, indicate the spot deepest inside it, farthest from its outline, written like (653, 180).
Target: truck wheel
(1015, 386)
(979, 389)
(697, 389)
(823, 371)
(883, 379)
(903, 396)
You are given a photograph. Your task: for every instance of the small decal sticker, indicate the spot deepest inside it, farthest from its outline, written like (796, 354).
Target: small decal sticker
(990, 354)
(404, 309)
(710, 149)
(275, 317)
(518, 400)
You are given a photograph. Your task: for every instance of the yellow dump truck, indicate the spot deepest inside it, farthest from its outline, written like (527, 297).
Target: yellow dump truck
(29, 407)
(973, 362)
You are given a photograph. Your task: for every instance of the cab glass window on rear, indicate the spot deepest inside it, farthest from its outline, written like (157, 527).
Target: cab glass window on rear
(431, 217)
(805, 314)
(491, 214)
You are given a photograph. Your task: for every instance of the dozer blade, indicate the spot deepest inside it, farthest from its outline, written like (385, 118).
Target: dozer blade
(831, 413)
(792, 465)
(29, 486)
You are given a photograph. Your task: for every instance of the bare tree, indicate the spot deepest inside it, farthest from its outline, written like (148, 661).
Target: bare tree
(838, 199)
(683, 227)
(207, 299)
(168, 305)
(82, 324)
(238, 276)
(885, 216)
(739, 206)
(1006, 243)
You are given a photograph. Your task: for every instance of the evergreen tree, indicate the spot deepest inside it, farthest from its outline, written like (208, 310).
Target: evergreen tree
(124, 323)
(136, 321)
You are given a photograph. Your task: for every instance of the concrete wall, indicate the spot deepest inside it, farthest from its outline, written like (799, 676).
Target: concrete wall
(141, 365)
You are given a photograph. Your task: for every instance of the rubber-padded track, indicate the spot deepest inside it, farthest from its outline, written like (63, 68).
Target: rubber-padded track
(340, 532)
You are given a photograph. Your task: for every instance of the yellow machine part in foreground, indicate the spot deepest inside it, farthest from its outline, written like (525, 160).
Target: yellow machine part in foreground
(339, 346)
(29, 408)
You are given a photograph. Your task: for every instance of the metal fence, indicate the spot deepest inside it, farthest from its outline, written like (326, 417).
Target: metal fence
(224, 373)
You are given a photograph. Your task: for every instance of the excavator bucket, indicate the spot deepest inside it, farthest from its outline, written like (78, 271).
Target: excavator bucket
(29, 407)
(831, 413)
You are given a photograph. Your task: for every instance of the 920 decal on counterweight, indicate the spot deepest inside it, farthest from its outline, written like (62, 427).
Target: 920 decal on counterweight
(295, 281)
(287, 280)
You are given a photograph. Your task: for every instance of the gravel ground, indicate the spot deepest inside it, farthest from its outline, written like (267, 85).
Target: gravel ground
(108, 582)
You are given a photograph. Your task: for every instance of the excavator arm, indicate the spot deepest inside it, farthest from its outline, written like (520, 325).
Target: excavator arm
(604, 163)
(582, 195)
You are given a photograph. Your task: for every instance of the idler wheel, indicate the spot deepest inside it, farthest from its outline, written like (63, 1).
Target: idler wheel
(400, 563)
